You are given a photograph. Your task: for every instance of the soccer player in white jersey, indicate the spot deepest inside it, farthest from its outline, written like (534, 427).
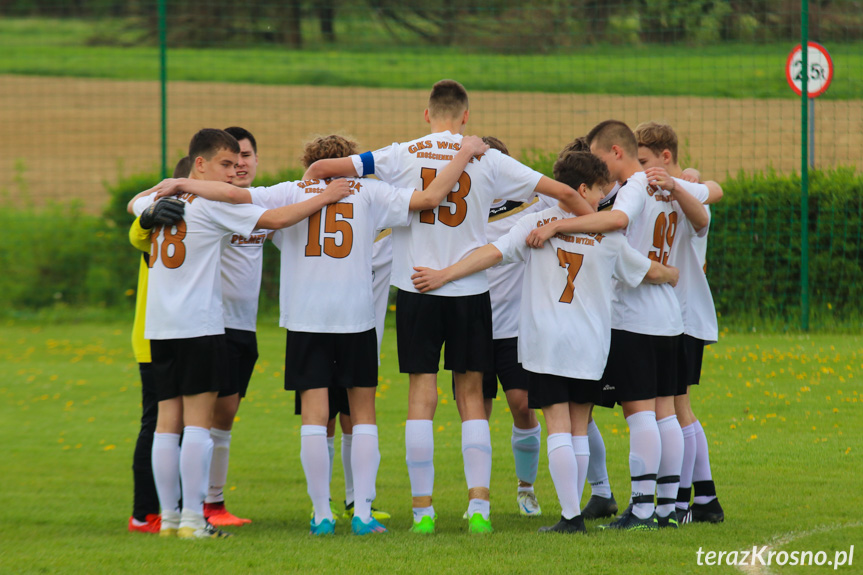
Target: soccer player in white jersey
(242, 261)
(504, 287)
(460, 314)
(642, 363)
(336, 146)
(185, 325)
(565, 320)
(330, 315)
(657, 152)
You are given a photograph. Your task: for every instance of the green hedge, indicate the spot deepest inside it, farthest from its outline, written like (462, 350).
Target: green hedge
(62, 257)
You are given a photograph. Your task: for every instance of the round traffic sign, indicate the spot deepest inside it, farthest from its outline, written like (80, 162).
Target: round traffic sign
(820, 70)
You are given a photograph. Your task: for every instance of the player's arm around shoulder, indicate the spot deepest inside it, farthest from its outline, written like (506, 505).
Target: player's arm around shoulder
(428, 279)
(332, 168)
(444, 182)
(596, 222)
(209, 190)
(286, 216)
(571, 199)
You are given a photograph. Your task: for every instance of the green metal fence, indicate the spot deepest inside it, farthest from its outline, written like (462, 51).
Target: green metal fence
(94, 91)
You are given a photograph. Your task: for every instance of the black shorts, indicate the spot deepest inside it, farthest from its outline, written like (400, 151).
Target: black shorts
(242, 355)
(317, 360)
(689, 364)
(547, 389)
(189, 366)
(424, 322)
(338, 397)
(640, 367)
(507, 369)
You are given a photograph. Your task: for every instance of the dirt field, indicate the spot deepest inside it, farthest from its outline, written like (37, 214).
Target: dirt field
(64, 137)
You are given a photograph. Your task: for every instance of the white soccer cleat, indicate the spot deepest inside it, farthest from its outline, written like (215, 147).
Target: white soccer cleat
(527, 504)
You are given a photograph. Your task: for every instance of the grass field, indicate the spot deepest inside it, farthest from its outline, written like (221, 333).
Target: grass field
(60, 48)
(782, 415)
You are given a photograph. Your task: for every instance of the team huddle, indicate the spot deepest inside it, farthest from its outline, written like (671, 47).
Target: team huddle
(595, 294)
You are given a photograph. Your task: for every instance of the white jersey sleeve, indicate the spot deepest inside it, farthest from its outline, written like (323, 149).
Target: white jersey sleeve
(692, 290)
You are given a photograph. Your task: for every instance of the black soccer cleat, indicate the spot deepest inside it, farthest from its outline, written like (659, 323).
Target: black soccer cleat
(684, 516)
(669, 522)
(710, 512)
(629, 521)
(598, 507)
(574, 525)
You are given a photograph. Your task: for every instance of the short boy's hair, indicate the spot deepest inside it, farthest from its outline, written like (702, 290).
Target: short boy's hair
(326, 147)
(577, 145)
(576, 168)
(209, 141)
(613, 133)
(183, 168)
(243, 134)
(657, 137)
(448, 99)
(495, 143)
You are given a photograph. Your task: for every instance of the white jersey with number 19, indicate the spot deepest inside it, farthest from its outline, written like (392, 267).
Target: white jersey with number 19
(442, 236)
(184, 289)
(647, 309)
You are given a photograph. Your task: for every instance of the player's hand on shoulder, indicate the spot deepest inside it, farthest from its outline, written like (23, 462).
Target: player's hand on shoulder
(474, 145)
(691, 175)
(166, 211)
(168, 187)
(538, 236)
(336, 190)
(659, 178)
(427, 279)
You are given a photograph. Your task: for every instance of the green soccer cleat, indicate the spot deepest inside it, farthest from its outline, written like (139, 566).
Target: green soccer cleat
(376, 513)
(479, 524)
(669, 522)
(425, 526)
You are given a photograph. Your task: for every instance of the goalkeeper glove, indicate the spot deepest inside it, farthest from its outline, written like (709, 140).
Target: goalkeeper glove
(166, 211)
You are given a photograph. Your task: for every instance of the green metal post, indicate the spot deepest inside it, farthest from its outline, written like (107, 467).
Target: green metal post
(804, 170)
(163, 81)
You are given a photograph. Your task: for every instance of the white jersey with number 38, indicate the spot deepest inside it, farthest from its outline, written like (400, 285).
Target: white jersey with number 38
(184, 289)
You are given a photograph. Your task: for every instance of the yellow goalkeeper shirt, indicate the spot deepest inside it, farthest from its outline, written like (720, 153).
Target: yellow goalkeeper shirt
(140, 239)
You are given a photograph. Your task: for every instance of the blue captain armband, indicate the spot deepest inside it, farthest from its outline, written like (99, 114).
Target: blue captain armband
(368, 161)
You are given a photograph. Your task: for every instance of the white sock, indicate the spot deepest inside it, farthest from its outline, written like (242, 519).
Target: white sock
(331, 453)
(166, 470)
(597, 473)
(219, 464)
(196, 452)
(645, 450)
(564, 473)
(476, 453)
(366, 458)
(525, 450)
(702, 478)
(668, 476)
(581, 448)
(315, 460)
(419, 455)
(347, 465)
(689, 447)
